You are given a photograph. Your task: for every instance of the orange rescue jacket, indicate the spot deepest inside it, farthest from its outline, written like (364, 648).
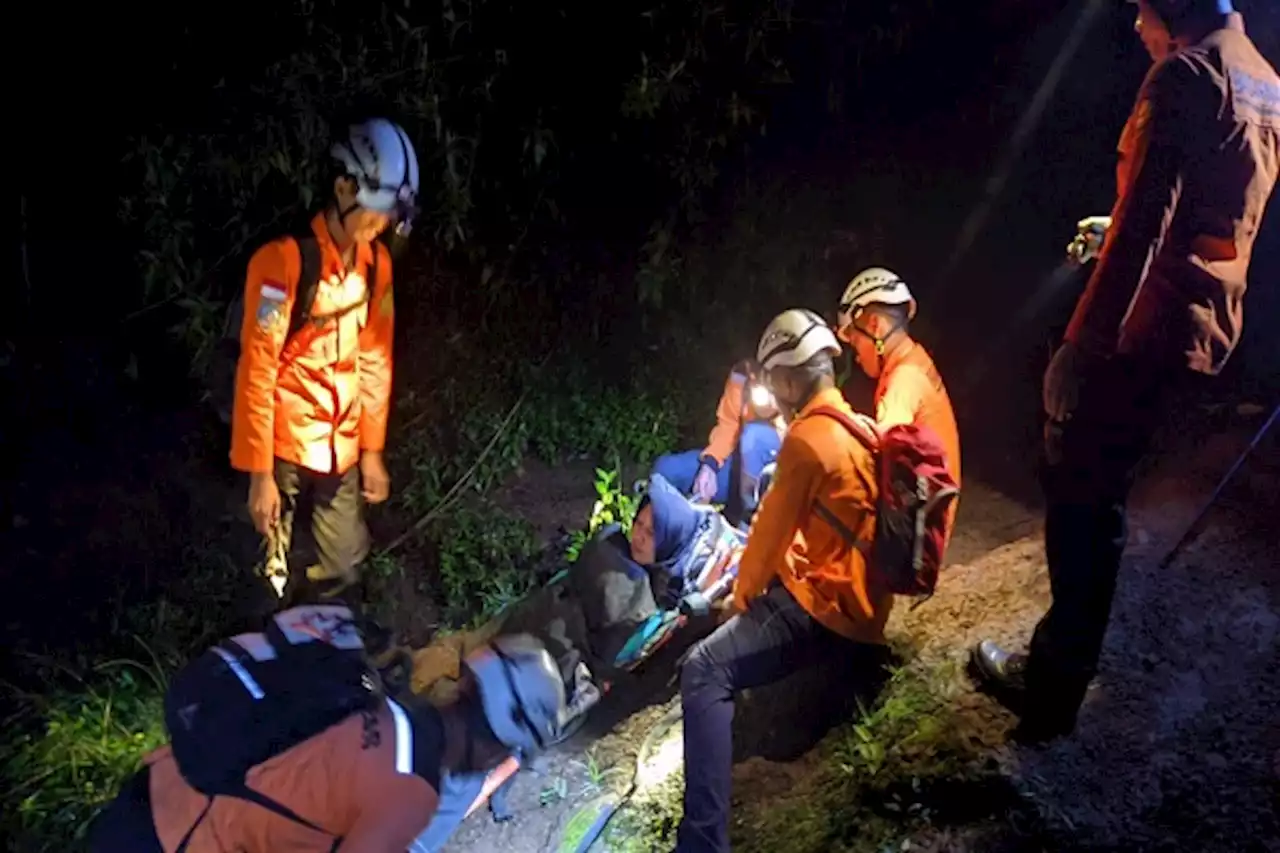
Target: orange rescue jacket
(350, 780)
(323, 397)
(819, 462)
(910, 391)
(1199, 159)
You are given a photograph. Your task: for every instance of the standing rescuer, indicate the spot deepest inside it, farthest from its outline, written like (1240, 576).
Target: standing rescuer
(1198, 162)
(312, 394)
(804, 593)
(371, 783)
(874, 319)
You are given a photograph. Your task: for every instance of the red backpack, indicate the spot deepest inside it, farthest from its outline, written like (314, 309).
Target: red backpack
(916, 489)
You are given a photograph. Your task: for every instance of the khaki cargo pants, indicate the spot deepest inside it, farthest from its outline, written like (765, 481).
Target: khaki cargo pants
(339, 539)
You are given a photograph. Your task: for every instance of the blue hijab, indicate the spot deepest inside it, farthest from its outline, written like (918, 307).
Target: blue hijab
(677, 524)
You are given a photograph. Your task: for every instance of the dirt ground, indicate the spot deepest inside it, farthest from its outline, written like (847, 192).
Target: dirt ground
(1178, 745)
(554, 499)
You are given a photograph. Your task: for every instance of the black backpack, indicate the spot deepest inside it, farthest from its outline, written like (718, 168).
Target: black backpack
(254, 696)
(221, 378)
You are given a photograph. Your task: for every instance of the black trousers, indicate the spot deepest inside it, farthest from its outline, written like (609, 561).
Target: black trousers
(338, 531)
(125, 825)
(1087, 476)
(773, 638)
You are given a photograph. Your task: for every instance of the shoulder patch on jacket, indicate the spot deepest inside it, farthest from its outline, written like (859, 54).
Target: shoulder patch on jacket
(272, 292)
(271, 306)
(1254, 99)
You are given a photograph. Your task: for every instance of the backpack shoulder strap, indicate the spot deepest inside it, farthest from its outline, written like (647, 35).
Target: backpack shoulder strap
(869, 439)
(244, 792)
(191, 831)
(308, 281)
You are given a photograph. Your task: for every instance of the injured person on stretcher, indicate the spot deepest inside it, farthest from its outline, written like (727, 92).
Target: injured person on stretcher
(622, 599)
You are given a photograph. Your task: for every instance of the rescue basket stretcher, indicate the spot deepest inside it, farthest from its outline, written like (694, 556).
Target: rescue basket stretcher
(713, 584)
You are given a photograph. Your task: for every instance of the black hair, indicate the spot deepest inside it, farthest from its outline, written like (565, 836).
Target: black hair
(899, 314)
(813, 370)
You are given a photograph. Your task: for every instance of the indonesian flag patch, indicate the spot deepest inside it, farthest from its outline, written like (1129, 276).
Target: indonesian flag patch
(270, 306)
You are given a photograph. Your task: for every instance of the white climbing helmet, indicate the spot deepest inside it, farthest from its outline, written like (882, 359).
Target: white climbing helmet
(874, 286)
(381, 159)
(521, 691)
(793, 337)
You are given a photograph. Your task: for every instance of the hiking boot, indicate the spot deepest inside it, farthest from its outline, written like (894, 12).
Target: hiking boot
(1000, 674)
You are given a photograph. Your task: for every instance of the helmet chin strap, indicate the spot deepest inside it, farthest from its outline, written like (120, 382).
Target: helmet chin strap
(344, 212)
(878, 340)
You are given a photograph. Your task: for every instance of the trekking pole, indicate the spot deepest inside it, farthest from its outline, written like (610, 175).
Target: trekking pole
(1193, 530)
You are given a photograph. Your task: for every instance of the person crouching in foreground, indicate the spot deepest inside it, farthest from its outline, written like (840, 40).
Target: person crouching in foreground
(370, 784)
(803, 593)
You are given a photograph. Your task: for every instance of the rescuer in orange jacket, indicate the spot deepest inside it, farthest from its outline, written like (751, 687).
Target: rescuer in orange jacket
(311, 403)
(1198, 162)
(875, 314)
(376, 782)
(744, 440)
(803, 592)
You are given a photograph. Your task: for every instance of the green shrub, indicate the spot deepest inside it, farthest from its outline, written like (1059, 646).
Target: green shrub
(615, 504)
(600, 423)
(484, 555)
(69, 750)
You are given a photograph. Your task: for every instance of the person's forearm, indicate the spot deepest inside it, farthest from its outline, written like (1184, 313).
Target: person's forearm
(728, 422)
(375, 401)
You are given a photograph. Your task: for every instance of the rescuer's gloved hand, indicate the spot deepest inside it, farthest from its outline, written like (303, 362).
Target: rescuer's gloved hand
(705, 483)
(1087, 245)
